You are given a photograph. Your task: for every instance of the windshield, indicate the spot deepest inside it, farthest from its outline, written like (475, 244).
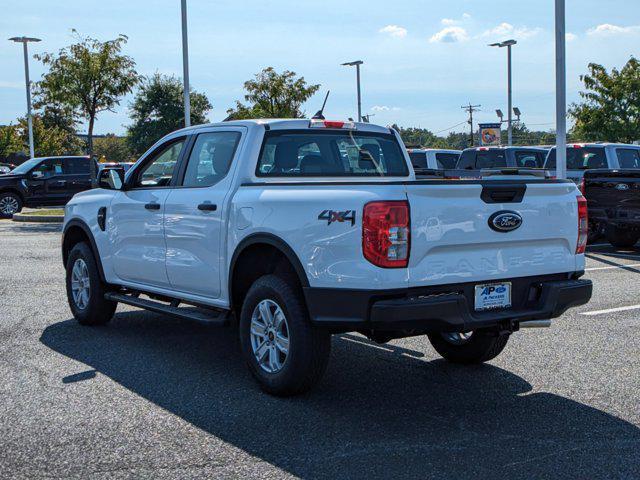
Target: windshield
(580, 158)
(26, 166)
(330, 153)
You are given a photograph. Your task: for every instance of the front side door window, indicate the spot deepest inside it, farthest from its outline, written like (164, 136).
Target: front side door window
(159, 170)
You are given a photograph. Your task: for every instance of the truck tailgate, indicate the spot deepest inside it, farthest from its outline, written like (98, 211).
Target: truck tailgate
(452, 241)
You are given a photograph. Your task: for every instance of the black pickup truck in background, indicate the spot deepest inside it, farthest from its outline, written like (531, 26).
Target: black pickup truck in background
(40, 182)
(613, 200)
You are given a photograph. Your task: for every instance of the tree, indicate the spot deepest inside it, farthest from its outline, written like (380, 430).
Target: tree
(88, 77)
(47, 141)
(273, 95)
(611, 107)
(10, 141)
(112, 148)
(158, 109)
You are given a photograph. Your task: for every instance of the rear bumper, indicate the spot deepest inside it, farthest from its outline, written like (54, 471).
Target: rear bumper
(445, 307)
(626, 218)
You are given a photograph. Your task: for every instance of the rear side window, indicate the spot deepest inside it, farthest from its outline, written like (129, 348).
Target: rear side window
(210, 158)
(418, 159)
(447, 160)
(76, 166)
(628, 157)
(307, 153)
(580, 158)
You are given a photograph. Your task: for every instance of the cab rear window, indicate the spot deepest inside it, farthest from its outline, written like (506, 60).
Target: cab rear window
(581, 158)
(330, 154)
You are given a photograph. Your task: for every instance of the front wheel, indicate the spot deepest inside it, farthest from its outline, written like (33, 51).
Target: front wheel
(285, 353)
(85, 289)
(468, 347)
(10, 203)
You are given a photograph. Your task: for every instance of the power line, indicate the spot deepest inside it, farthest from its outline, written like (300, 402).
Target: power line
(470, 109)
(450, 128)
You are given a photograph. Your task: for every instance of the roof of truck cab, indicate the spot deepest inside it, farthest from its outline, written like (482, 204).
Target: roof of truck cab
(437, 150)
(598, 144)
(506, 147)
(284, 124)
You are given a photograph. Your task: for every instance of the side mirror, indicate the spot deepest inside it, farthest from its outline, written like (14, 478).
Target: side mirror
(35, 174)
(111, 178)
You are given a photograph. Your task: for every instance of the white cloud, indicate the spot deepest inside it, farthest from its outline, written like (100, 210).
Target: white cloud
(466, 16)
(448, 21)
(383, 108)
(4, 84)
(394, 31)
(570, 37)
(450, 35)
(506, 29)
(606, 29)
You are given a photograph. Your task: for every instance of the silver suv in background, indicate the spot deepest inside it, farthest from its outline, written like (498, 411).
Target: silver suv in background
(433, 158)
(586, 156)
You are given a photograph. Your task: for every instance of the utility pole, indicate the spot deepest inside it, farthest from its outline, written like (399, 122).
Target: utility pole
(24, 41)
(561, 92)
(470, 109)
(357, 64)
(185, 65)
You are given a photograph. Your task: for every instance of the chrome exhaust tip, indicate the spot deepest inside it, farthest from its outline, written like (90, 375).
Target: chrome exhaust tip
(535, 324)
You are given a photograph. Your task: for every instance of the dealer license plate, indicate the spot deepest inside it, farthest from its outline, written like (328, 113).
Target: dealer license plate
(493, 295)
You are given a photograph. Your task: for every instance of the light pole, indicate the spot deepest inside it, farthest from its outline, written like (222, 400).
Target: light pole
(24, 41)
(185, 65)
(357, 64)
(508, 44)
(561, 93)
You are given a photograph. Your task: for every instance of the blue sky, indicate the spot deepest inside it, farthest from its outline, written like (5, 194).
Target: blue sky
(423, 58)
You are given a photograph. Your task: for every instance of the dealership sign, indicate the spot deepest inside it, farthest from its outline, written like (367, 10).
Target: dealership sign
(489, 133)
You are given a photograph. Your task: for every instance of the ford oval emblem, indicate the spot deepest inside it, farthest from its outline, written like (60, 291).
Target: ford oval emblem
(505, 221)
(622, 186)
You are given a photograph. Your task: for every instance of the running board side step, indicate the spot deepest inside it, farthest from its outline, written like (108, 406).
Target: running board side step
(210, 317)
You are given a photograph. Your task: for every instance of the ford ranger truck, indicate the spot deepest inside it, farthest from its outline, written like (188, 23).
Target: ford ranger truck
(295, 230)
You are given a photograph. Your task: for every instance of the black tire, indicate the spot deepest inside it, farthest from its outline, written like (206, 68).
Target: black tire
(97, 310)
(12, 199)
(480, 347)
(621, 238)
(308, 347)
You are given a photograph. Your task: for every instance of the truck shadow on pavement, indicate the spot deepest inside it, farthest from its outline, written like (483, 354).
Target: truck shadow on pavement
(381, 411)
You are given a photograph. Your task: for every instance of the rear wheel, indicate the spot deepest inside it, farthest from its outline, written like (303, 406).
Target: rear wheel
(85, 289)
(284, 352)
(621, 238)
(469, 347)
(10, 203)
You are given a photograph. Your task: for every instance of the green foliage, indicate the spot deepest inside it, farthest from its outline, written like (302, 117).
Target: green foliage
(48, 141)
(158, 109)
(610, 110)
(112, 148)
(10, 141)
(273, 95)
(86, 78)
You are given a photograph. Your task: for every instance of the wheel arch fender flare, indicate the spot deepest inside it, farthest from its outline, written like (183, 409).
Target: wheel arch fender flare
(74, 224)
(274, 241)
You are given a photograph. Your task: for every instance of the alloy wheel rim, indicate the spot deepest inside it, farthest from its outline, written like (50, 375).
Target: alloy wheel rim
(269, 336)
(8, 205)
(457, 338)
(80, 284)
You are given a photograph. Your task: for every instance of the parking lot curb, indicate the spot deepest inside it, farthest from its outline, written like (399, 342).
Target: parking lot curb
(18, 217)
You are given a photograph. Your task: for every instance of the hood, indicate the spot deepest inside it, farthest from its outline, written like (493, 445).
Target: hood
(8, 177)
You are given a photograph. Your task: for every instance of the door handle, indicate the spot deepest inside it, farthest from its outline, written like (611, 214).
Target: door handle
(152, 206)
(207, 207)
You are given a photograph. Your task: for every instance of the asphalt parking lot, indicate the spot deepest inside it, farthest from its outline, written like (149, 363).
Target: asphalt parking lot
(150, 396)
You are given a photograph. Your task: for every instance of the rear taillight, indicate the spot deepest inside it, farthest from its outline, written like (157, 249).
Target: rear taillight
(581, 186)
(385, 233)
(583, 225)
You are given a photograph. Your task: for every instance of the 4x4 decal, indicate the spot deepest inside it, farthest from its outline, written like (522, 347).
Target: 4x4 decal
(335, 216)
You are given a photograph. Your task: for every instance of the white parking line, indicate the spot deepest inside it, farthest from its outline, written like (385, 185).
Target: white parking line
(611, 310)
(613, 266)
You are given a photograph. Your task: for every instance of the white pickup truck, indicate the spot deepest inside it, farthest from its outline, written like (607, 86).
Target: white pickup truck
(297, 229)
